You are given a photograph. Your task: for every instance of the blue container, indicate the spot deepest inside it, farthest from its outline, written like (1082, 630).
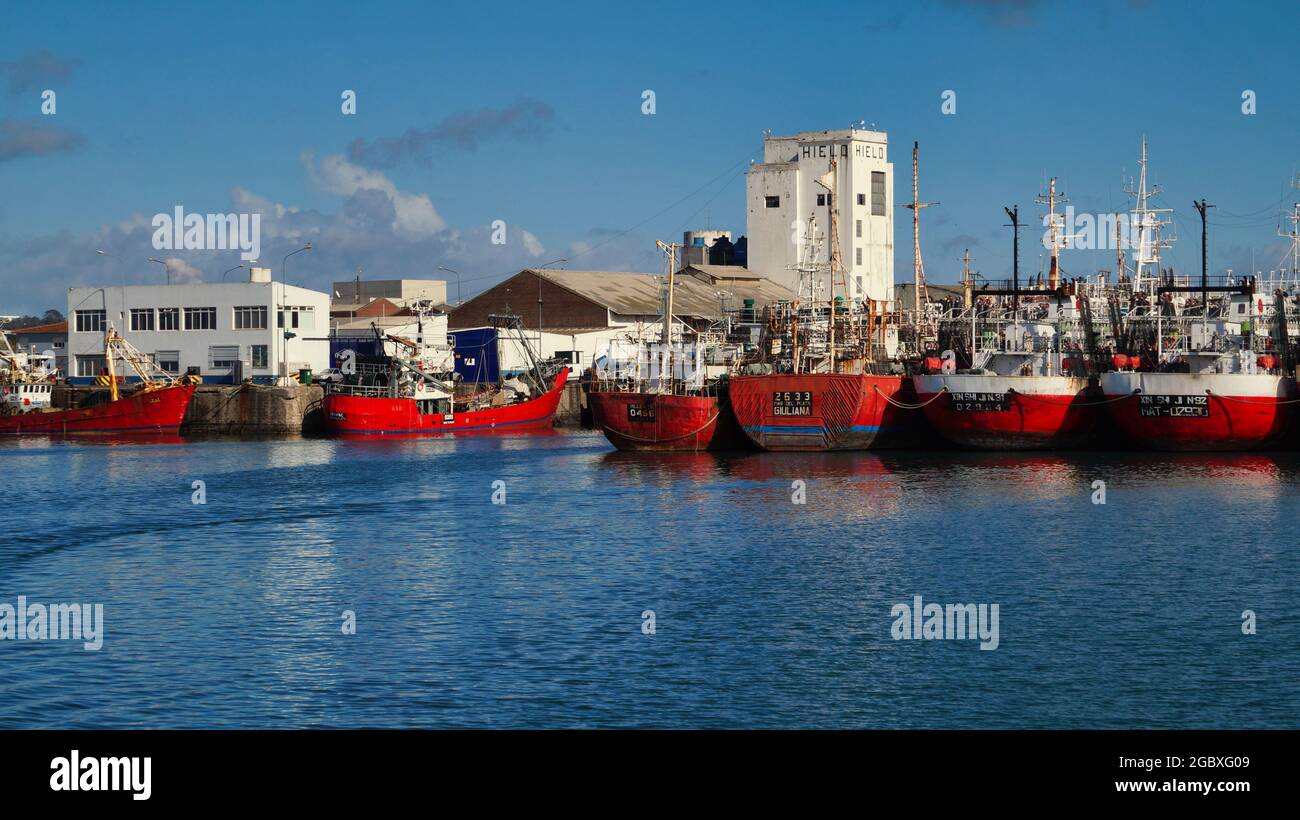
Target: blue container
(477, 359)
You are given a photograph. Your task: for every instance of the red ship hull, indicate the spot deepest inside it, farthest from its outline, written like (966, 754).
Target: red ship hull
(815, 412)
(357, 416)
(153, 411)
(653, 421)
(1008, 412)
(1200, 412)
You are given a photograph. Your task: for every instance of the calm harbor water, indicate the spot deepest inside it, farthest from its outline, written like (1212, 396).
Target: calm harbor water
(767, 613)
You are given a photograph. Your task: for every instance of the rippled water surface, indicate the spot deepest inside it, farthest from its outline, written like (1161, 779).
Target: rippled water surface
(529, 613)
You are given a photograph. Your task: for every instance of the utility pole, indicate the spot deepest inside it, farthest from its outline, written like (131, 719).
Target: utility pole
(1014, 213)
(918, 269)
(1205, 285)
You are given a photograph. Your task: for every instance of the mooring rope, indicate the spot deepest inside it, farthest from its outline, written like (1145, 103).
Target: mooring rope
(1248, 401)
(904, 405)
(1071, 402)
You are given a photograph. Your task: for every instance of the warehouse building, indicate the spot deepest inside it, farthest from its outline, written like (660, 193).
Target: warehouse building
(580, 312)
(223, 332)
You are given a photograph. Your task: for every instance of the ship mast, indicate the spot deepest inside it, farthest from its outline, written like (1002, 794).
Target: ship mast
(830, 181)
(966, 282)
(808, 267)
(1055, 226)
(1146, 262)
(918, 268)
(1294, 234)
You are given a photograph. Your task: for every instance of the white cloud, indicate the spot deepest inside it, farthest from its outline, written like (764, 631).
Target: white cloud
(414, 215)
(532, 244)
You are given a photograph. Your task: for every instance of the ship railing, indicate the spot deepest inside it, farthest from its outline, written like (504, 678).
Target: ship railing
(369, 391)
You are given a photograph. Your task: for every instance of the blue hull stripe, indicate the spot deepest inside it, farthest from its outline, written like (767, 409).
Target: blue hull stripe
(809, 430)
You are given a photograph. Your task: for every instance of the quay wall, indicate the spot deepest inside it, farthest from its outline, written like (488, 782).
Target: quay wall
(256, 409)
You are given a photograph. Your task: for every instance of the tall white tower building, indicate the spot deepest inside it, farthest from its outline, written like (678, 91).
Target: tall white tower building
(783, 192)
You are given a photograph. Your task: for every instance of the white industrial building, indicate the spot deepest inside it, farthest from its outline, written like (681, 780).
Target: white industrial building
(785, 189)
(224, 332)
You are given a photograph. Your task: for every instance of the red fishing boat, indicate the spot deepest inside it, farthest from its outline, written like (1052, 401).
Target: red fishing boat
(829, 378)
(1201, 411)
(824, 411)
(415, 392)
(1211, 366)
(663, 397)
(349, 414)
(1023, 382)
(997, 412)
(157, 404)
(664, 421)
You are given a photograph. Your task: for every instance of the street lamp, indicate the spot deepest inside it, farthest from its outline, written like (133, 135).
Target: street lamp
(236, 267)
(284, 264)
(120, 260)
(166, 267)
(457, 273)
(539, 302)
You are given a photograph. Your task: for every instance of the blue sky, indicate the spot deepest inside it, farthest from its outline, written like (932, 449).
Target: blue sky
(531, 113)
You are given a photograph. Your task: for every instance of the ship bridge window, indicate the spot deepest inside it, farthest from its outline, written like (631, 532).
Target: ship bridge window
(772, 201)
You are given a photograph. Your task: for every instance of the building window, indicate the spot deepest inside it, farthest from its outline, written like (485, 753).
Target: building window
(201, 318)
(862, 199)
(877, 193)
(821, 200)
(772, 201)
(259, 356)
(91, 321)
(857, 228)
(250, 317)
(169, 318)
(90, 365)
(298, 317)
(223, 357)
(141, 319)
(169, 360)
(857, 256)
(857, 280)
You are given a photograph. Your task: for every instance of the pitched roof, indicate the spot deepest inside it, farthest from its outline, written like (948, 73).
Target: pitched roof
(53, 327)
(640, 294)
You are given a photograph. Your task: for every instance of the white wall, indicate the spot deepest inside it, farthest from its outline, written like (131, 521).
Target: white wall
(790, 170)
(310, 347)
